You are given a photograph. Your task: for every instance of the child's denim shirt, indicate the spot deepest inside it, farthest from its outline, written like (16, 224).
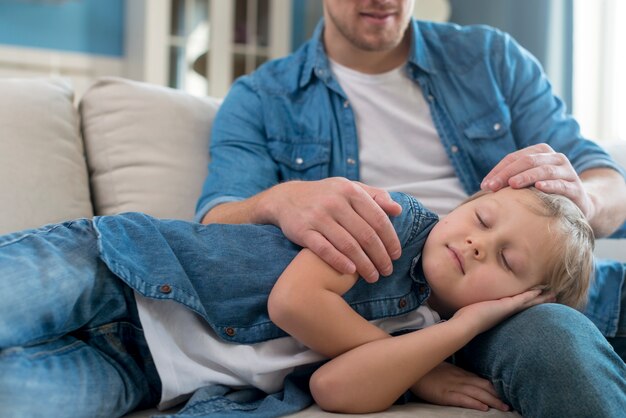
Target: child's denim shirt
(225, 273)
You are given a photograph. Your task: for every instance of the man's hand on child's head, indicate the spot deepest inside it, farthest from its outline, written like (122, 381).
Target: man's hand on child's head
(540, 166)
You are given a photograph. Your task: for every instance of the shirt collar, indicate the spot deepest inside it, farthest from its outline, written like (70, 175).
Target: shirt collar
(316, 61)
(419, 54)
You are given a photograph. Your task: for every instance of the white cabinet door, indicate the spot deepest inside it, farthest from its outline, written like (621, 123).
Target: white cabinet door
(202, 46)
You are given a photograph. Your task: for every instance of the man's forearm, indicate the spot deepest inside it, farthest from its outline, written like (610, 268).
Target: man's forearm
(607, 190)
(250, 210)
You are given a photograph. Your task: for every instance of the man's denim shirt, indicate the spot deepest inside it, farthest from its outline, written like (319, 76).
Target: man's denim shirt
(488, 97)
(225, 272)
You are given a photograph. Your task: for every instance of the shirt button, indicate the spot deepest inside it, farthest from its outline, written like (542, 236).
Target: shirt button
(454, 149)
(402, 303)
(299, 161)
(351, 161)
(496, 126)
(431, 97)
(421, 288)
(230, 331)
(346, 104)
(166, 288)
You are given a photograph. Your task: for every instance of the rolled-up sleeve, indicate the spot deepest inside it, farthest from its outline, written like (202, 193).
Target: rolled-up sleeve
(540, 116)
(240, 164)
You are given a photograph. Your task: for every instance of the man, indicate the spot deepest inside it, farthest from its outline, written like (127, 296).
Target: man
(437, 111)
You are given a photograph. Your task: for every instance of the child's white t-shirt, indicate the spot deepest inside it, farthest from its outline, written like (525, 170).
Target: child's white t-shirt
(189, 355)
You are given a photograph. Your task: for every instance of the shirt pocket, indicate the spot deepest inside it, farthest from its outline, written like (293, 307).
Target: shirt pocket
(489, 138)
(300, 160)
(491, 126)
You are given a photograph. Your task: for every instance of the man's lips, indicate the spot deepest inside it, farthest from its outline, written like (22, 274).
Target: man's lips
(457, 257)
(377, 16)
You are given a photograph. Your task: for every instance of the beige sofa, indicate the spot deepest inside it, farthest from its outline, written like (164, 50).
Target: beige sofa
(126, 146)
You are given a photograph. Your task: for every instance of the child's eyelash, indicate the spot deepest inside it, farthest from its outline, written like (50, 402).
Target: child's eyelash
(504, 261)
(481, 220)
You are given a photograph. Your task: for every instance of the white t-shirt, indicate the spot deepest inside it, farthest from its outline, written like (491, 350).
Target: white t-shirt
(189, 355)
(399, 147)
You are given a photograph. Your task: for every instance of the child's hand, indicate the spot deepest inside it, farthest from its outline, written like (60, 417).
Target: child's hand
(450, 385)
(482, 316)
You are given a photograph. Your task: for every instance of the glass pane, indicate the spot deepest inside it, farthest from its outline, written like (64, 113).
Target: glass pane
(198, 39)
(177, 24)
(177, 67)
(239, 65)
(241, 21)
(263, 22)
(201, 12)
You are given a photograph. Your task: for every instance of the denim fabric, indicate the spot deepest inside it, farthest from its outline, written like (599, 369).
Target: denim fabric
(223, 402)
(579, 374)
(291, 120)
(606, 293)
(70, 338)
(488, 97)
(71, 344)
(226, 272)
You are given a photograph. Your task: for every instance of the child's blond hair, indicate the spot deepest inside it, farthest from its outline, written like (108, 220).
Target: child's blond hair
(571, 274)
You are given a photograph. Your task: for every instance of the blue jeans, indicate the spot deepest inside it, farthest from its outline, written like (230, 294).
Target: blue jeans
(619, 340)
(71, 344)
(550, 361)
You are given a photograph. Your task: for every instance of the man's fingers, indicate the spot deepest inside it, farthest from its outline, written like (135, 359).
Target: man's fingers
(520, 161)
(316, 242)
(345, 223)
(527, 170)
(380, 223)
(546, 172)
(366, 248)
(368, 205)
(490, 179)
(344, 234)
(384, 200)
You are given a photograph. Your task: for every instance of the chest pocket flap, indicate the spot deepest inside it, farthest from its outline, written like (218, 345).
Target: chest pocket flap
(492, 125)
(299, 156)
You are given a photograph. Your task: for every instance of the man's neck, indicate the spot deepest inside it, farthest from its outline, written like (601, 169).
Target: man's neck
(368, 62)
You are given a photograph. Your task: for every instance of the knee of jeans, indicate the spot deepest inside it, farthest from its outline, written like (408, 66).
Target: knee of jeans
(549, 339)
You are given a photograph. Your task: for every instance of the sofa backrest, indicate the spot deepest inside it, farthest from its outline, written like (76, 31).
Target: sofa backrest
(43, 174)
(146, 147)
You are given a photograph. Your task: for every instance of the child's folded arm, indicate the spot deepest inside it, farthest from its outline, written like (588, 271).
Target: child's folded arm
(373, 376)
(307, 303)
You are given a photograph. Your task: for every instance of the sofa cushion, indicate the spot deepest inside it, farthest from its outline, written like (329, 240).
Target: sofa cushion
(147, 147)
(44, 176)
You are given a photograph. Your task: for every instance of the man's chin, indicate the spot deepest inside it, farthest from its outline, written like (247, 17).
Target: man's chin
(377, 45)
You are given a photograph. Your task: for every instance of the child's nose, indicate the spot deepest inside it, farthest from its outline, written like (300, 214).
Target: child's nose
(477, 250)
